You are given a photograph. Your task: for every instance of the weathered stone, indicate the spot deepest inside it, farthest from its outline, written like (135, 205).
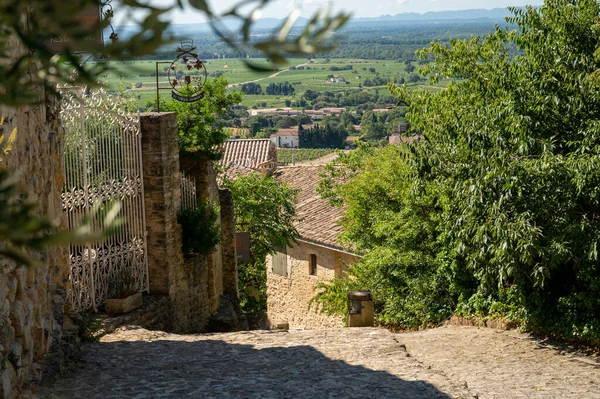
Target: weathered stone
(8, 379)
(229, 317)
(17, 317)
(328, 363)
(123, 305)
(289, 297)
(24, 296)
(12, 287)
(193, 285)
(16, 352)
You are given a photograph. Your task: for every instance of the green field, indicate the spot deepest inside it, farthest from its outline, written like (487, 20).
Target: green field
(284, 155)
(126, 75)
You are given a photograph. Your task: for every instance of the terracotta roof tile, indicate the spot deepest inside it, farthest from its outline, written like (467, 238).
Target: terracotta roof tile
(318, 221)
(248, 153)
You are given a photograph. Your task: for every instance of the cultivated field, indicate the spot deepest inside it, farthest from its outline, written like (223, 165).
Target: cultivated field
(137, 78)
(285, 155)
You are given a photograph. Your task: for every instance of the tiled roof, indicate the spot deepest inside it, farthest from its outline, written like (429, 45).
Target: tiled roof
(317, 220)
(248, 153)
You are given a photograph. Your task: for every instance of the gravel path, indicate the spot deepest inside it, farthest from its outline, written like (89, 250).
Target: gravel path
(451, 362)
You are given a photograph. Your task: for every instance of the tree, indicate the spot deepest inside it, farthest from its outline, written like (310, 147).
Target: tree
(310, 95)
(498, 205)
(200, 132)
(265, 208)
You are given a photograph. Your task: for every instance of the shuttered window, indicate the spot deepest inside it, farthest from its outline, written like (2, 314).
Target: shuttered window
(280, 262)
(312, 265)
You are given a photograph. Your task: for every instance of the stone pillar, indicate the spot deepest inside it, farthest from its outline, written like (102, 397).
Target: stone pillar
(162, 197)
(228, 250)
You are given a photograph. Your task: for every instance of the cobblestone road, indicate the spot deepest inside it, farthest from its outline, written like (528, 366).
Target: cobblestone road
(450, 362)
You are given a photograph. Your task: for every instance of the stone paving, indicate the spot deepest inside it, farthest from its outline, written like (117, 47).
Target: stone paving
(449, 362)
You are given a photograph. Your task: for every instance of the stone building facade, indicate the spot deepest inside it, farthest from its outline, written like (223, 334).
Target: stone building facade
(291, 288)
(293, 272)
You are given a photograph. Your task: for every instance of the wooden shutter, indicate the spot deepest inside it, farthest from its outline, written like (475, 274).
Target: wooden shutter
(280, 262)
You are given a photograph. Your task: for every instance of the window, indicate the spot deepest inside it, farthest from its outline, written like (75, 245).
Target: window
(280, 262)
(312, 265)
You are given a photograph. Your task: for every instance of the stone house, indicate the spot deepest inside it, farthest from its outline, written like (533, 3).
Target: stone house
(399, 139)
(293, 272)
(286, 138)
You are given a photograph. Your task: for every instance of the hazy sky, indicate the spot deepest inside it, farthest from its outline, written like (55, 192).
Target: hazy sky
(358, 8)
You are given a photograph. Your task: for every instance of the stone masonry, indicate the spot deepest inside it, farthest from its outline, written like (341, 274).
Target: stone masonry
(288, 297)
(32, 300)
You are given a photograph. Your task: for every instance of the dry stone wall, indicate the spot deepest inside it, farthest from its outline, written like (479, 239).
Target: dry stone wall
(288, 297)
(33, 300)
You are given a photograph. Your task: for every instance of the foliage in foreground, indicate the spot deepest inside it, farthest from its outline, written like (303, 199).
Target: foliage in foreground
(265, 208)
(497, 211)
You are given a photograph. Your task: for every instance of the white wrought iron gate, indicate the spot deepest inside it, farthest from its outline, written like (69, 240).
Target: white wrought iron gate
(103, 163)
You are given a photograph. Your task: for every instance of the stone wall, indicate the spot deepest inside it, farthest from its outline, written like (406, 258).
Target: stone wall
(203, 172)
(288, 296)
(228, 249)
(195, 285)
(32, 300)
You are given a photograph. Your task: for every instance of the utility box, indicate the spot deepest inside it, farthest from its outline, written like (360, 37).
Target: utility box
(360, 309)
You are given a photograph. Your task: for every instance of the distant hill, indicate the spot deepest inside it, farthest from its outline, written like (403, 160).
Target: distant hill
(265, 25)
(496, 14)
(493, 14)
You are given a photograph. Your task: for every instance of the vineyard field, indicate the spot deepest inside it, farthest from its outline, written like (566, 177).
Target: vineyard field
(284, 155)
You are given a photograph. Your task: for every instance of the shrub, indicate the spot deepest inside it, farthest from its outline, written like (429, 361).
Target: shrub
(201, 233)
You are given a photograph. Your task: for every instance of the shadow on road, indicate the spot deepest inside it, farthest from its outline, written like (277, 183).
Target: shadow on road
(218, 369)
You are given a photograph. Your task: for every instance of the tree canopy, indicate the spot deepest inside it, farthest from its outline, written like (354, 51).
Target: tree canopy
(265, 208)
(201, 133)
(497, 211)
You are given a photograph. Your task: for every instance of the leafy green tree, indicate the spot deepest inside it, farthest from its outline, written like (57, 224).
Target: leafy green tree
(200, 130)
(265, 208)
(498, 206)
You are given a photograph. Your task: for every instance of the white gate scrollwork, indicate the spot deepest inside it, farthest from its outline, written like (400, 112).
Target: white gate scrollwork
(103, 163)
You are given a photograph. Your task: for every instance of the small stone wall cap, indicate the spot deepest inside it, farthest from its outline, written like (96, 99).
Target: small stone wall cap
(360, 296)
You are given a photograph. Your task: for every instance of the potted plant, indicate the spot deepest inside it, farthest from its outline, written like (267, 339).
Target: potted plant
(122, 296)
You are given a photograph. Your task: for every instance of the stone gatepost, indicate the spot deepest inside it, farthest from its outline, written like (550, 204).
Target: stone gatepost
(162, 197)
